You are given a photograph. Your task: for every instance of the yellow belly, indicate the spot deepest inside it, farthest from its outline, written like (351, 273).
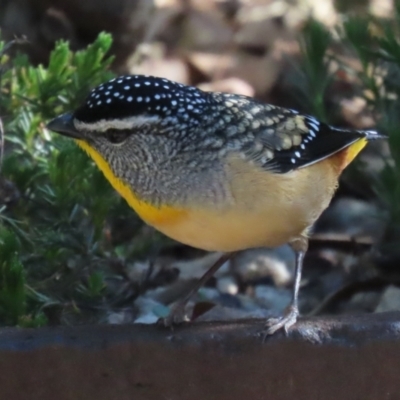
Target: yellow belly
(267, 210)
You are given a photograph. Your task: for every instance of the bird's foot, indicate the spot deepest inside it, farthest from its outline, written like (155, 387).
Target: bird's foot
(284, 322)
(176, 316)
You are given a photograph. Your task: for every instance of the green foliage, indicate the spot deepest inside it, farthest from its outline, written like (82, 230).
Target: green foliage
(314, 44)
(12, 279)
(376, 45)
(59, 230)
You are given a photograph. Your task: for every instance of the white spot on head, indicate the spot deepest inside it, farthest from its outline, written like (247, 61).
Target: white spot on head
(99, 102)
(166, 87)
(312, 133)
(147, 83)
(147, 99)
(174, 103)
(137, 84)
(302, 146)
(293, 160)
(107, 93)
(116, 94)
(297, 154)
(127, 87)
(108, 101)
(157, 97)
(130, 98)
(139, 99)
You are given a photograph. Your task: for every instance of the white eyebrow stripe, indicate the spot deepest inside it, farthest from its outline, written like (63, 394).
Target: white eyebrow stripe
(105, 124)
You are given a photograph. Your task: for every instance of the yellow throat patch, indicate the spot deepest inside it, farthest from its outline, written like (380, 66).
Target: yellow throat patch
(151, 214)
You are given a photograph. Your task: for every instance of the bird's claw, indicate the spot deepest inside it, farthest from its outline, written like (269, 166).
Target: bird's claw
(285, 322)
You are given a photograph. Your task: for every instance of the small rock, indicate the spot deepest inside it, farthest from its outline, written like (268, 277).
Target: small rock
(390, 300)
(138, 270)
(260, 263)
(149, 310)
(227, 285)
(147, 319)
(120, 318)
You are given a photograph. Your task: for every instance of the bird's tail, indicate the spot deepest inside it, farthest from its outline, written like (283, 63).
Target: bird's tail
(373, 135)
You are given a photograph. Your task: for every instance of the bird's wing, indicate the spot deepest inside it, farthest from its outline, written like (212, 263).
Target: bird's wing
(299, 141)
(282, 140)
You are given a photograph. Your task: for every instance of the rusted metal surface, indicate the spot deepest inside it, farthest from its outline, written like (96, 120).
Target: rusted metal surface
(322, 359)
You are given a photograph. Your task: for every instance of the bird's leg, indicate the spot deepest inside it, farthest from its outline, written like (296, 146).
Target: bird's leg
(290, 315)
(177, 314)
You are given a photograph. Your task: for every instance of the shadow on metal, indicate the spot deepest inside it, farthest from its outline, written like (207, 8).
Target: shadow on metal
(346, 358)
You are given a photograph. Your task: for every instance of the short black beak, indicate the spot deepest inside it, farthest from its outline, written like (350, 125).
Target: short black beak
(64, 125)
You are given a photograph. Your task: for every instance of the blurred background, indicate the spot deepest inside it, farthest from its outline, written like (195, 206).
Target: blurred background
(72, 252)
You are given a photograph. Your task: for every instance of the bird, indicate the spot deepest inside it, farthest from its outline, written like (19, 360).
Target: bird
(217, 171)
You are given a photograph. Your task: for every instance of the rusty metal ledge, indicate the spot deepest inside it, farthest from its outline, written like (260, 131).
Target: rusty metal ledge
(352, 357)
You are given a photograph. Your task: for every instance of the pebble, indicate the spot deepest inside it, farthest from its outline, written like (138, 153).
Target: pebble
(390, 300)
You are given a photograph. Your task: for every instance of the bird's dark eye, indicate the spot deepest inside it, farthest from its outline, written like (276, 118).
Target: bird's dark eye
(116, 136)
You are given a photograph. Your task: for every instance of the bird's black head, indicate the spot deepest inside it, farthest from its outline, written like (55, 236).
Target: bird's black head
(131, 102)
(134, 95)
